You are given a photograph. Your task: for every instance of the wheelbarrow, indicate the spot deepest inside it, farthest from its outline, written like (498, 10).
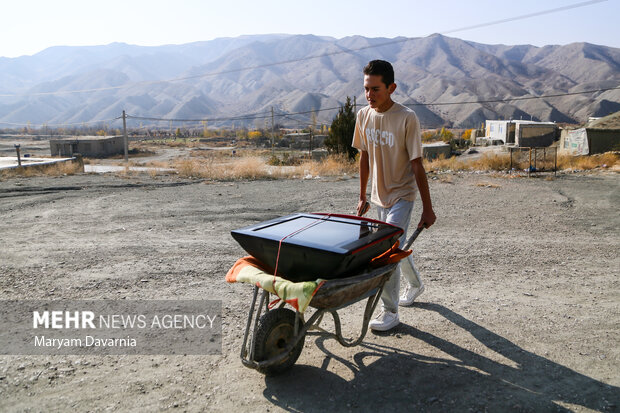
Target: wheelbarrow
(274, 339)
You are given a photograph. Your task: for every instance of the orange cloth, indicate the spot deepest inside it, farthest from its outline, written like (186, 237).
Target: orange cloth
(390, 256)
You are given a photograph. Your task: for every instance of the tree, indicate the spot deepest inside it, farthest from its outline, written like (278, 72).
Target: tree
(255, 134)
(313, 122)
(445, 135)
(341, 131)
(242, 133)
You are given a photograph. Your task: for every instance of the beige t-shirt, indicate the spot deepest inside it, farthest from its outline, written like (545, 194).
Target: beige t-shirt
(392, 140)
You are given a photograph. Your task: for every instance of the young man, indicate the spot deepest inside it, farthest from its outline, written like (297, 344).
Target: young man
(387, 134)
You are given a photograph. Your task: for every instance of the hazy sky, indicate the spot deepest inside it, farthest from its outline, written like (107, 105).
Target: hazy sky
(29, 26)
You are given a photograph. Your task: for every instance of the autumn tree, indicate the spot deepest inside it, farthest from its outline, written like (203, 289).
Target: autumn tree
(467, 134)
(445, 135)
(341, 131)
(255, 134)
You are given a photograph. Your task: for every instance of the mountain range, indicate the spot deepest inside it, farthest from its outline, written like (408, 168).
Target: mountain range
(447, 81)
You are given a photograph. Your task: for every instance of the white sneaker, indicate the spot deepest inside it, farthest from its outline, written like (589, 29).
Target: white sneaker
(384, 321)
(410, 294)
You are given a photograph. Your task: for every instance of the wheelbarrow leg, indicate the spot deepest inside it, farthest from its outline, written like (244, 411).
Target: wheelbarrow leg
(371, 304)
(244, 349)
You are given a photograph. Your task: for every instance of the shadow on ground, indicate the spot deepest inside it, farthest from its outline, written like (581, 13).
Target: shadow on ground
(391, 379)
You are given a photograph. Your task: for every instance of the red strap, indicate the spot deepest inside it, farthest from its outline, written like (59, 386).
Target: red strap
(275, 271)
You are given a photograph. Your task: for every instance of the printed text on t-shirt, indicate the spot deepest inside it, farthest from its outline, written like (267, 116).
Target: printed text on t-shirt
(379, 137)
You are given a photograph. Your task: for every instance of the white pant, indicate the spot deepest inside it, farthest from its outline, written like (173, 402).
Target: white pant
(400, 215)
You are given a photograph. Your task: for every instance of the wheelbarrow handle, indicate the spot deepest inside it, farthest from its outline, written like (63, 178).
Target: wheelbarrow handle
(412, 238)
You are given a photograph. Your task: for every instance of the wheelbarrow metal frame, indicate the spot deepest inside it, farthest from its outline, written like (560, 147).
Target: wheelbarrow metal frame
(302, 327)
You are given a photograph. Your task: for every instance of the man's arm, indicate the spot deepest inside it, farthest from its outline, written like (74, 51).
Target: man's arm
(428, 215)
(364, 174)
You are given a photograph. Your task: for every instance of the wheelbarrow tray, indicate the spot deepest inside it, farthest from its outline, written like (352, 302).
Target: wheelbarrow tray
(305, 247)
(333, 294)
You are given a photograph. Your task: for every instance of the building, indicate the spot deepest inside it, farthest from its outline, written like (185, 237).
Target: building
(302, 140)
(92, 146)
(597, 136)
(523, 133)
(436, 150)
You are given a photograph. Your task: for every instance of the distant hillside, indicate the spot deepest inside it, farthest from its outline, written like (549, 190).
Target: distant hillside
(236, 76)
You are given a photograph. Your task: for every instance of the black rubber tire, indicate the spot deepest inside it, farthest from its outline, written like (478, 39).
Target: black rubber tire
(276, 330)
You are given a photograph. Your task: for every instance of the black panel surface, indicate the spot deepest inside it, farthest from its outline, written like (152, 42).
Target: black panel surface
(312, 246)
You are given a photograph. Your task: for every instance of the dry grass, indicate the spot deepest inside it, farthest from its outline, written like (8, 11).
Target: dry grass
(249, 168)
(521, 161)
(57, 169)
(255, 167)
(240, 168)
(487, 162)
(211, 154)
(219, 165)
(605, 160)
(333, 165)
(443, 164)
(491, 162)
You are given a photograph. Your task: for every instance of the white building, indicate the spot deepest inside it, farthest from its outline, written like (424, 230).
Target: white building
(520, 132)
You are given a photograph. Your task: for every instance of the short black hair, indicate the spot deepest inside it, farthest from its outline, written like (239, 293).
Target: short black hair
(381, 68)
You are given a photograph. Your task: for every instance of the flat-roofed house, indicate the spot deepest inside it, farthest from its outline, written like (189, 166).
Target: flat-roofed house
(597, 136)
(524, 133)
(92, 146)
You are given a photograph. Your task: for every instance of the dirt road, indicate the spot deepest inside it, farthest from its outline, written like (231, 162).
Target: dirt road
(521, 309)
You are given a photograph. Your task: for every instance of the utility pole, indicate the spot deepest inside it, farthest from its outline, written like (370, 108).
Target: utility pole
(19, 159)
(272, 132)
(125, 140)
(312, 127)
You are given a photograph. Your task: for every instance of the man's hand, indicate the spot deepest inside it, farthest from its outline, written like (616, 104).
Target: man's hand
(428, 215)
(362, 207)
(428, 218)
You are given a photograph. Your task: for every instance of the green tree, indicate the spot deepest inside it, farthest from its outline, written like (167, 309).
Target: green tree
(341, 131)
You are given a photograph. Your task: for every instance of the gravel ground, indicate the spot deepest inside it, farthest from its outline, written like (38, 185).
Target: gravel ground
(521, 309)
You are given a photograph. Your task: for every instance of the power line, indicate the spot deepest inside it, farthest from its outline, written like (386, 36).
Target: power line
(306, 112)
(265, 115)
(525, 16)
(260, 115)
(513, 99)
(284, 62)
(249, 117)
(59, 124)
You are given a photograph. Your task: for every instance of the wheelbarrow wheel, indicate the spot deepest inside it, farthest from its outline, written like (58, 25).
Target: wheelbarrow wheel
(275, 332)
